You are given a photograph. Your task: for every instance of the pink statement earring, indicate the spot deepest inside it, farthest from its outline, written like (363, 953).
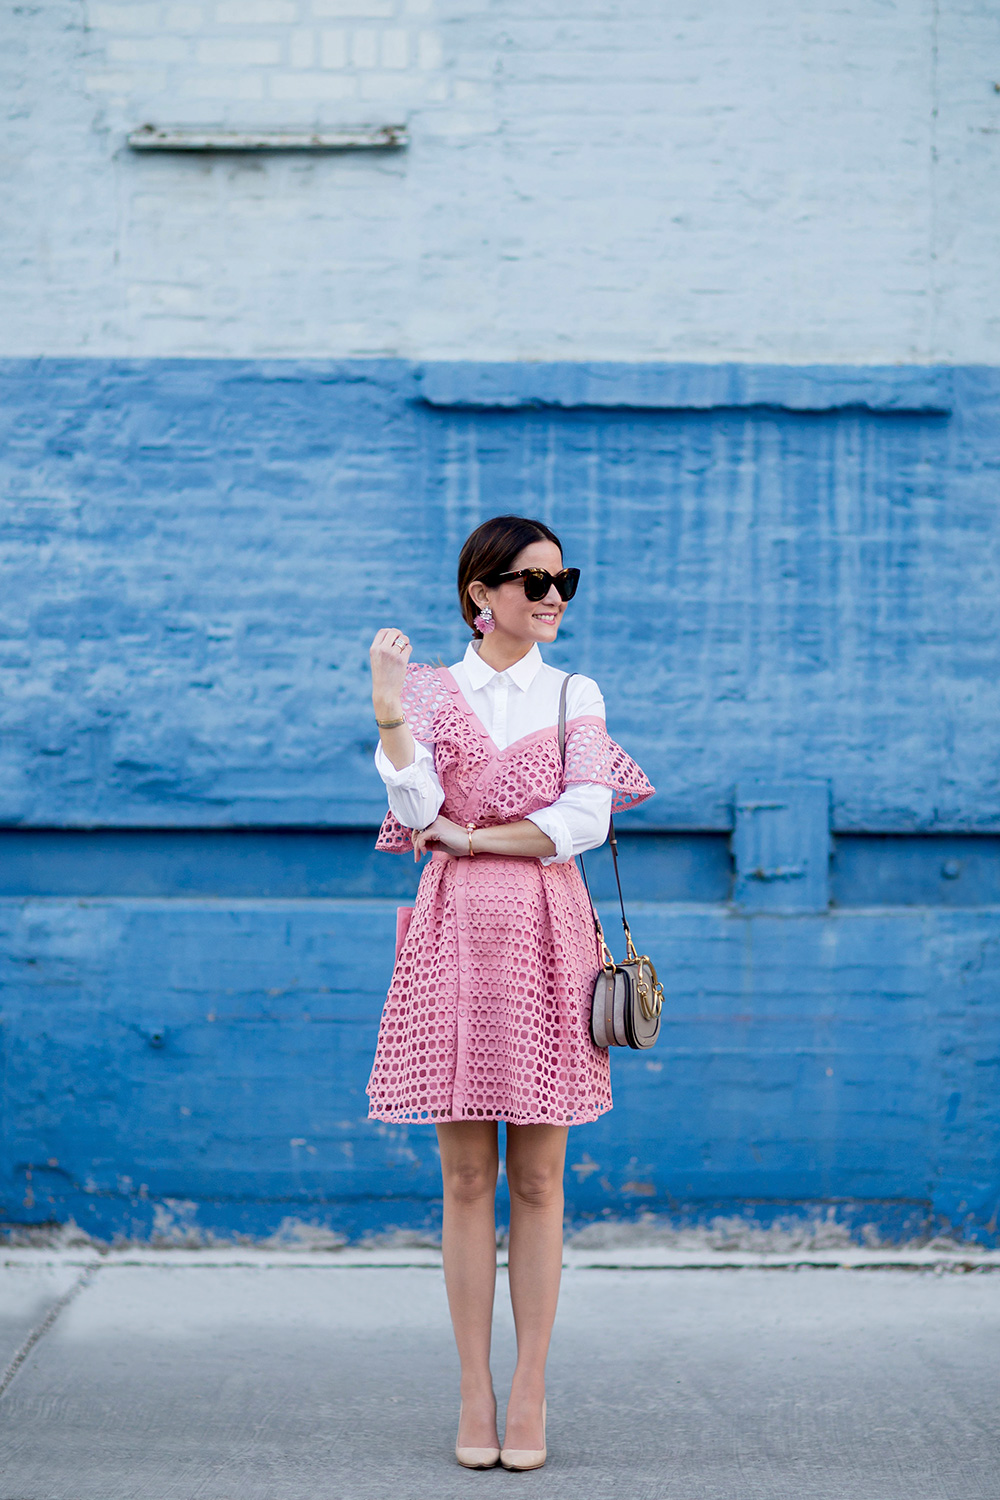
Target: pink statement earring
(484, 621)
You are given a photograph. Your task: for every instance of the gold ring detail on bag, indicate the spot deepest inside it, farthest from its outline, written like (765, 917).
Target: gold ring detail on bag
(650, 989)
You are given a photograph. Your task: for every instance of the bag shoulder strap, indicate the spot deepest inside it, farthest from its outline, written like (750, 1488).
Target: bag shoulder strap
(611, 830)
(562, 716)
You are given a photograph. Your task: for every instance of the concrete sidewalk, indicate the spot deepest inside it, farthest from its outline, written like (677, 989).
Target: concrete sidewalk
(241, 1375)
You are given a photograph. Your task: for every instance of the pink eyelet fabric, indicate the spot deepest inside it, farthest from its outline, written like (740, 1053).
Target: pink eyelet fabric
(487, 1016)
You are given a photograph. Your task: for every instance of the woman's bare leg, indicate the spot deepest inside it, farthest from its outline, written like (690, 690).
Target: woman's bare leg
(536, 1156)
(469, 1165)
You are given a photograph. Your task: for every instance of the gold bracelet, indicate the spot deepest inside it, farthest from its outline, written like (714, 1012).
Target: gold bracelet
(390, 723)
(470, 829)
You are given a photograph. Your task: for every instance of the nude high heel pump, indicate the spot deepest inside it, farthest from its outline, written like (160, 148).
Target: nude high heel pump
(476, 1458)
(520, 1459)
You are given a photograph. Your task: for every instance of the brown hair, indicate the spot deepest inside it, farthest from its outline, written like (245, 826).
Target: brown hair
(491, 549)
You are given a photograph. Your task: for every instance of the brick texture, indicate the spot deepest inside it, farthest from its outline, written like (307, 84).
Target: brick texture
(225, 461)
(584, 182)
(197, 555)
(181, 1069)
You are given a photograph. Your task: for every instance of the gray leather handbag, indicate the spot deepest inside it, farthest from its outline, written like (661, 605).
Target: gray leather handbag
(628, 997)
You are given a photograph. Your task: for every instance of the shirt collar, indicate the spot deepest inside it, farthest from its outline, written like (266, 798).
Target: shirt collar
(522, 674)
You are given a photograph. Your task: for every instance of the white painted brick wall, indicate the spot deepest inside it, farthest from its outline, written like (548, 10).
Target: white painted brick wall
(800, 182)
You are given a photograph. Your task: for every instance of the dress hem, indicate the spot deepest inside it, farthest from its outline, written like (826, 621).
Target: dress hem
(430, 1117)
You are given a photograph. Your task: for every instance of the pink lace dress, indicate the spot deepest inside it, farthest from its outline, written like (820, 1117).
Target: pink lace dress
(487, 1016)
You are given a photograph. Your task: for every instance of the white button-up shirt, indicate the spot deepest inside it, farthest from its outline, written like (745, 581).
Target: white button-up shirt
(510, 705)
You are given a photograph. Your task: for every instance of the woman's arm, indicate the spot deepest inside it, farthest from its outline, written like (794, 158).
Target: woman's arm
(577, 820)
(524, 838)
(390, 652)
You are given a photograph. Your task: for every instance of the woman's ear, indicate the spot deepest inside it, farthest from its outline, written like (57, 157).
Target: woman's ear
(478, 594)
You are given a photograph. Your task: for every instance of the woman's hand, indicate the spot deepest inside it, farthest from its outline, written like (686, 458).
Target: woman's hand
(389, 654)
(441, 836)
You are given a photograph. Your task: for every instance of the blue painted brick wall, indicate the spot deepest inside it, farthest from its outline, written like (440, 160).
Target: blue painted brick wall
(196, 554)
(162, 1053)
(789, 576)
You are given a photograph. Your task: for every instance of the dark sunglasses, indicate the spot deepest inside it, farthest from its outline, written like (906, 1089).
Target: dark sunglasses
(538, 581)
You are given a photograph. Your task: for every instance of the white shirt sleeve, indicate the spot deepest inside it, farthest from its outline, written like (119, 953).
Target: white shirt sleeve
(415, 793)
(577, 820)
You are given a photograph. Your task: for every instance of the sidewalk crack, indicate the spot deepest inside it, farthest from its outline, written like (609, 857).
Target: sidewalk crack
(43, 1327)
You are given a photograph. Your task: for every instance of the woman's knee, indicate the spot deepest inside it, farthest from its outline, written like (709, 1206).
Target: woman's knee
(470, 1179)
(536, 1185)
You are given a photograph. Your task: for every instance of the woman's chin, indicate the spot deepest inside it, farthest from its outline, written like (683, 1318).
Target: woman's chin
(545, 631)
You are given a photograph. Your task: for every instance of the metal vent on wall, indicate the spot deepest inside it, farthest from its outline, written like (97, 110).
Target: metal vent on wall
(207, 138)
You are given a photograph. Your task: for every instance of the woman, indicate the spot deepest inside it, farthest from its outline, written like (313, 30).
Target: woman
(487, 1017)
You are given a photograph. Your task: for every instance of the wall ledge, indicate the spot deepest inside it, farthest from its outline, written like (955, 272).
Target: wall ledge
(474, 385)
